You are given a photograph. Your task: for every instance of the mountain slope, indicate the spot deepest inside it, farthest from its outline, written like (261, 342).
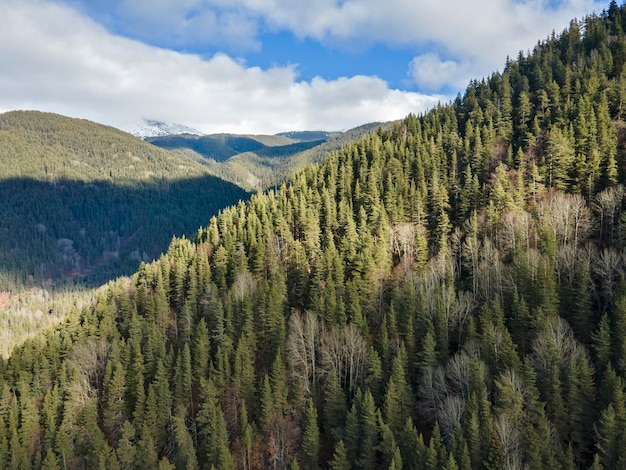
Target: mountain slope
(80, 200)
(448, 293)
(257, 162)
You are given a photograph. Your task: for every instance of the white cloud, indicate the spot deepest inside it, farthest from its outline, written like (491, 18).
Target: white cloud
(473, 37)
(459, 25)
(178, 23)
(430, 72)
(54, 59)
(476, 34)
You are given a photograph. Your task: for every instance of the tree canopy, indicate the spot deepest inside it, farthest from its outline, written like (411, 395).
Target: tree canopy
(448, 293)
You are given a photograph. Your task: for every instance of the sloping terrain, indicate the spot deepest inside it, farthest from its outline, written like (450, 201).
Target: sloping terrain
(84, 202)
(448, 293)
(258, 162)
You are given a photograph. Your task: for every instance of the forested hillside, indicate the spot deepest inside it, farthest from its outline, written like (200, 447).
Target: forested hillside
(83, 202)
(258, 162)
(447, 294)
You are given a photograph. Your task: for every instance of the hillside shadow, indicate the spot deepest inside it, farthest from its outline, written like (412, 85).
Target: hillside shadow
(223, 147)
(217, 147)
(68, 232)
(284, 151)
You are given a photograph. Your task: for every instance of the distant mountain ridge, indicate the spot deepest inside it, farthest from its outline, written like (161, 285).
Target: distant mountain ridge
(257, 162)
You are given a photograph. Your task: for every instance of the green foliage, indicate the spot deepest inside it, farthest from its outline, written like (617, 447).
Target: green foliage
(83, 203)
(258, 162)
(461, 280)
(310, 438)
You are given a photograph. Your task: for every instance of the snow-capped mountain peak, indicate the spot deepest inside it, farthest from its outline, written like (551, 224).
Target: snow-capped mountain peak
(145, 128)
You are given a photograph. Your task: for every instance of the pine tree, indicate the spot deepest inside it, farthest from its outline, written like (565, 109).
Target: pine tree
(618, 335)
(399, 402)
(450, 463)
(495, 454)
(352, 433)
(369, 431)
(114, 413)
(18, 455)
(126, 449)
(335, 407)
(185, 454)
(340, 458)
(266, 402)
(278, 380)
(601, 344)
(200, 352)
(213, 435)
(412, 448)
(607, 437)
(310, 438)
(50, 462)
(183, 383)
(135, 377)
(374, 376)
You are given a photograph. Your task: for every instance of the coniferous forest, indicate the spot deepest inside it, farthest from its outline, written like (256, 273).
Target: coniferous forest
(447, 294)
(81, 203)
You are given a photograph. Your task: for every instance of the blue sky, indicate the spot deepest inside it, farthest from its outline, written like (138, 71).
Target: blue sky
(260, 66)
(262, 45)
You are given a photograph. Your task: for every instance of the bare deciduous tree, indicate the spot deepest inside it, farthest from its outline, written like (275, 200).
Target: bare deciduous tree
(510, 436)
(566, 265)
(582, 219)
(444, 392)
(607, 267)
(88, 360)
(512, 414)
(554, 342)
(402, 239)
(532, 259)
(515, 227)
(344, 349)
(450, 414)
(244, 284)
(489, 273)
(458, 375)
(606, 204)
(471, 249)
(406, 248)
(305, 333)
(432, 391)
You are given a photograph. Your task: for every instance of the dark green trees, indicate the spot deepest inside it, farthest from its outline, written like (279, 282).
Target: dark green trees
(447, 293)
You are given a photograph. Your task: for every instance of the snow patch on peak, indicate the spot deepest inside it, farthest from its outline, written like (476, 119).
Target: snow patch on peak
(146, 128)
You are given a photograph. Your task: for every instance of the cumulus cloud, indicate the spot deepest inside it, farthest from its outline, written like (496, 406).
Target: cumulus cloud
(458, 25)
(473, 37)
(477, 35)
(55, 59)
(178, 23)
(430, 72)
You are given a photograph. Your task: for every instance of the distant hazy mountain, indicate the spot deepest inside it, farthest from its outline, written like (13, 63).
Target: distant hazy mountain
(259, 161)
(145, 128)
(307, 136)
(82, 201)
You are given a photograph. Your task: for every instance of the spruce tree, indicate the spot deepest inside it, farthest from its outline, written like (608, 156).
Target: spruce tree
(310, 438)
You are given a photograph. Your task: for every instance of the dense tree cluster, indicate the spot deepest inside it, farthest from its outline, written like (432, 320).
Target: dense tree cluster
(448, 294)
